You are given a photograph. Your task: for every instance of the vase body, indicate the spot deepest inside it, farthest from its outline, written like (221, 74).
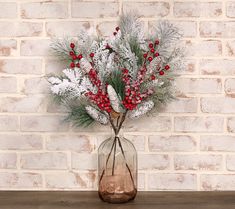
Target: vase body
(117, 170)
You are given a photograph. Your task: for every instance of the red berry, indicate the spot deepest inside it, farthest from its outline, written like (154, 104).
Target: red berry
(161, 72)
(80, 56)
(153, 77)
(72, 45)
(114, 33)
(71, 53)
(125, 71)
(152, 50)
(145, 55)
(78, 65)
(92, 54)
(157, 42)
(150, 59)
(117, 28)
(167, 67)
(150, 45)
(72, 65)
(156, 54)
(74, 57)
(107, 46)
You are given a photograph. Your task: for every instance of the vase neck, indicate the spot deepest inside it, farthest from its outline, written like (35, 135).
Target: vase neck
(117, 134)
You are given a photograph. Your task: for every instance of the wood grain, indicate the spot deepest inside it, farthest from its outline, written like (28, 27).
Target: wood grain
(90, 200)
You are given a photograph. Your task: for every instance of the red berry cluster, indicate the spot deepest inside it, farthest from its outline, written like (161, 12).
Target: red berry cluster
(101, 98)
(149, 55)
(115, 32)
(160, 71)
(75, 58)
(133, 96)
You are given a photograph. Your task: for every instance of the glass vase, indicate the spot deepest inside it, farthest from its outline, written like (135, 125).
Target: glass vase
(117, 170)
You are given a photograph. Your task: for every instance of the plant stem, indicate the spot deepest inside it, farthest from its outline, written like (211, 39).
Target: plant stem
(110, 153)
(114, 154)
(129, 170)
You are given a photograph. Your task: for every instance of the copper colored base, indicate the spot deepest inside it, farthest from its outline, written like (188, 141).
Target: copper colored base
(117, 197)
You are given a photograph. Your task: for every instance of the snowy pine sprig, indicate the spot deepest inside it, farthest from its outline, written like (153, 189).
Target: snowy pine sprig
(124, 75)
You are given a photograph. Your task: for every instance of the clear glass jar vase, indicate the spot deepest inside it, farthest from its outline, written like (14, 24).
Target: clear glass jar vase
(117, 170)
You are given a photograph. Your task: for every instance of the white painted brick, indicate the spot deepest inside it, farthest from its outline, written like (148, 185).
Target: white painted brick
(8, 123)
(231, 124)
(65, 28)
(199, 124)
(22, 104)
(106, 28)
(197, 9)
(203, 48)
(148, 9)
(38, 85)
(189, 68)
(71, 180)
(230, 86)
(182, 105)
(230, 48)
(187, 28)
(217, 182)
(217, 143)
(230, 9)
(94, 9)
(141, 181)
(8, 85)
(20, 29)
(153, 162)
(176, 143)
(39, 47)
(20, 142)
(217, 67)
(20, 180)
(53, 107)
(54, 66)
(217, 29)
(230, 162)
(84, 161)
(168, 181)
(218, 105)
(138, 141)
(44, 160)
(150, 123)
(21, 66)
(8, 47)
(199, 85)
(198, 162)
(7, 160)
(43, 123)
(44, 10)
(78, 143)
(8, 9)
(96, 127)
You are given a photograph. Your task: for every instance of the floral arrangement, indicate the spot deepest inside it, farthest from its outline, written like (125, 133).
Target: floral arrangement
(123, 76)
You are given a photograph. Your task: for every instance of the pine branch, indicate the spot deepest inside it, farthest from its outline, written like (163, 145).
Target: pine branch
(115, 80)
(79, 116)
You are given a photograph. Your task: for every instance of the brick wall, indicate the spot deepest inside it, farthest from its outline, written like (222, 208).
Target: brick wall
(190, 145)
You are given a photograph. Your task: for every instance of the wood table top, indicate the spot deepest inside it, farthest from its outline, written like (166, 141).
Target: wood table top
(90, 200)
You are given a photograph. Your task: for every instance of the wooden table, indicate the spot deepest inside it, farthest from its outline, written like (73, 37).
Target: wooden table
(144, 200)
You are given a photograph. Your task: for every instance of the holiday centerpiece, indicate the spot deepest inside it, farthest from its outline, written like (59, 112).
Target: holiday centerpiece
(111, 79)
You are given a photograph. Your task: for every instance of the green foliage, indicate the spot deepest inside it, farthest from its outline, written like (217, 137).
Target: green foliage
(125, 50)
(136, 49)
(61, 48)
(79, 116)
(115, 80)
